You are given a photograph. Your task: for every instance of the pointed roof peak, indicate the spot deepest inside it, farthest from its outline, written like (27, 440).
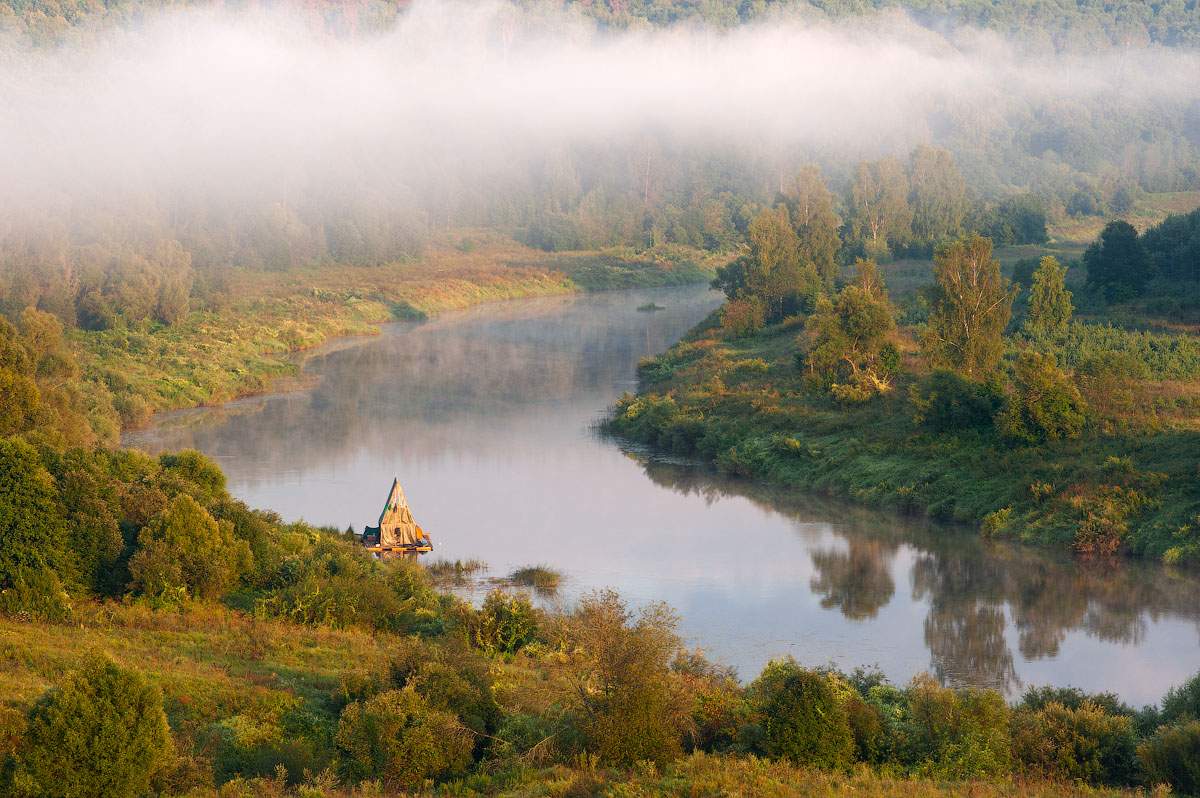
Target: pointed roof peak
(395, 499)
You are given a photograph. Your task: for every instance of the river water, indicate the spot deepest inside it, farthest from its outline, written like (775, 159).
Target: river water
(487, 417)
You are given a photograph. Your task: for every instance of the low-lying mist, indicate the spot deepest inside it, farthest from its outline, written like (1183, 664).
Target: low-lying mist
(226, 105)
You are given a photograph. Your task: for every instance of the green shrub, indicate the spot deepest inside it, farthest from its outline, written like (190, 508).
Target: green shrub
(398, 739)
(33, 560)
(35, 594)
(101, 732)
(533, 738)
(958, 733)
(627, 703)
(245, 747)
(504, 623)
(1044, 404)
(186, 548)
(866, 725)
(454, 679)
(1079, 744)
(947, 402)
(330, 582)
(802, 719)
(1036, 698)
(1172, 756)
(195, 474)
(1182, 702)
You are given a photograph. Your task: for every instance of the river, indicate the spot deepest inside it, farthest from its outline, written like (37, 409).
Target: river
(487, 417)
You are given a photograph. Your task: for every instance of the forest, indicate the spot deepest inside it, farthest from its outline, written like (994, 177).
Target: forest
(990, 319)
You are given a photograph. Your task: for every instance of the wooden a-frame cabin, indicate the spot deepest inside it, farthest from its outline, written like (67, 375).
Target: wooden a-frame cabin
(396, 532)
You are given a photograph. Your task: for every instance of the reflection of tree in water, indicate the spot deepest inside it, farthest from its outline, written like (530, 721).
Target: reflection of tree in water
(457, 382)
(965, 626)
(971, 587)
(858, 581)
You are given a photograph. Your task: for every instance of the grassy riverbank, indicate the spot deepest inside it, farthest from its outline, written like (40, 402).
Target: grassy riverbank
(743, 404)
(243, 345)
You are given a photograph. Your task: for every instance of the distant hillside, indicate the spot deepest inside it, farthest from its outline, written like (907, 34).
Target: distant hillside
(1063, 25)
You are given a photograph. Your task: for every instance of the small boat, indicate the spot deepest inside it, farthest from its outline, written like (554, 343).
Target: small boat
(396, 532)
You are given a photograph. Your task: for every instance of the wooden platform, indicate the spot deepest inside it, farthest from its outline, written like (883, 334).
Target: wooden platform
(400, 549)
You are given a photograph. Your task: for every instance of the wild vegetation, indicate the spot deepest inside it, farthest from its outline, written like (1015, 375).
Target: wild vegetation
(186, 644)
(158, 636)
(302, 666)
(1044, 428)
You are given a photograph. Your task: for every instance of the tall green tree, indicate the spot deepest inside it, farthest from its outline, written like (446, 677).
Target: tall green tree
(814, 217)
(846, 337)
(1049, 300)
(880, 218)
(33, 532)
(184, 547)
(1117, 263)
(939, 195)
(775, 272)
(972, 305)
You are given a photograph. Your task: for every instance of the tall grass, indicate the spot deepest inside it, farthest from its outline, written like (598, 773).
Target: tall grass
(542, 578)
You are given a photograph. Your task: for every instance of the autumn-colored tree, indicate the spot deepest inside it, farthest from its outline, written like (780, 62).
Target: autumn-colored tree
(972, 306)
(880, 218)
(20, 399)
(627, 700)
(1049, 300)
(742, 317)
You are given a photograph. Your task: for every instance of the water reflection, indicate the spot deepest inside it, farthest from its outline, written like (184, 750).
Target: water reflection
(858, 581)
(487, 417)
(975, 594)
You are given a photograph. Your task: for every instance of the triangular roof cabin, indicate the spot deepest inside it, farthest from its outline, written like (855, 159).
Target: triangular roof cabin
(396, 525)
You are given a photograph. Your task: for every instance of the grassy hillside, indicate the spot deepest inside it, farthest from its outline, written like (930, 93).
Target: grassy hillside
(236, 687)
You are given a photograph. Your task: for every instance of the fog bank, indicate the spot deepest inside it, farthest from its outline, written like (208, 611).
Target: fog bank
(224, 102)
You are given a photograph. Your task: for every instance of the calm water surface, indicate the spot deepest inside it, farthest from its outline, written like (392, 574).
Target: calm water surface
(487, 418)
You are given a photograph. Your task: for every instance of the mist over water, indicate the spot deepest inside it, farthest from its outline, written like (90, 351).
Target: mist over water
(486, 416)
(227, 104)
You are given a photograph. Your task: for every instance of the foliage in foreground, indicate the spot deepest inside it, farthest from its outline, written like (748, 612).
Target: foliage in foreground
(359, 669)
(102, 732)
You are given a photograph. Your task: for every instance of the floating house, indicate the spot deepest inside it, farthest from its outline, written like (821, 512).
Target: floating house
(396, 532)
